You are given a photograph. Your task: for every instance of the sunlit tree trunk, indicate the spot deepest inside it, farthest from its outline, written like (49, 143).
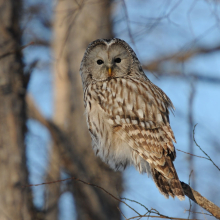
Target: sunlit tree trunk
(61, 104)
(76, 24)
(14, 200)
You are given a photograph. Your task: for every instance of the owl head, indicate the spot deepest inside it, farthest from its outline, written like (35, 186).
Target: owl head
(105, 59)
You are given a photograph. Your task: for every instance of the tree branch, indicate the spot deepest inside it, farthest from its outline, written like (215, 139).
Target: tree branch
(179, 57)
(59, 137)
(200, 200)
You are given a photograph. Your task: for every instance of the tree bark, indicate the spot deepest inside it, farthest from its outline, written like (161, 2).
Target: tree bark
(76, 24)
(15, 202)
(200, 200)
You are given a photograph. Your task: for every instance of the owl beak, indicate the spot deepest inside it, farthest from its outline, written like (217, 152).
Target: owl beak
(110, 71)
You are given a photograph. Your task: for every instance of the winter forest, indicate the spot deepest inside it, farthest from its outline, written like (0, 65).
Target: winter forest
(48, 170)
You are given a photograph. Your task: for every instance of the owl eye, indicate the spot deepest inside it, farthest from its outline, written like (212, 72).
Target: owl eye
(100, 62)
(118, 60)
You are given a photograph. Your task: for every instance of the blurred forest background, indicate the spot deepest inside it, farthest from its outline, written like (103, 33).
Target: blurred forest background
(43, 134)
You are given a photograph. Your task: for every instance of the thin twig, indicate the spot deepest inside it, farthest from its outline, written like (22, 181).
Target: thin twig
(192, 154)
(208, 157)
(128, 26)
(191, 145)
(127, 21)
(15, 50)
(190, 204)
(91, 184)
(148, 210)
(153, 216)
(137, 203)
(139, 215)
(121, 213)
(144, 214)
(179, 57)
(199, 212)
(203, 214)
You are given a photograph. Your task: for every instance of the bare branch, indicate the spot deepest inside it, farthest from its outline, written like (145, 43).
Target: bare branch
(197, 76)
(208, 157)
(15, 50)
(58, 136)
(200, 213)
(179, 57)
(91, 184)
(192, 154)
(122, 213)
(114, 197)
(190, 204)
(153, 216)
(200, 200)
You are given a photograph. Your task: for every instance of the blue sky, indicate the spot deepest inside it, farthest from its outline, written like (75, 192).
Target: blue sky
(159, 28)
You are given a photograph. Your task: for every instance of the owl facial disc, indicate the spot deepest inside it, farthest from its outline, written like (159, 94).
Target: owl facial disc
(106, 60)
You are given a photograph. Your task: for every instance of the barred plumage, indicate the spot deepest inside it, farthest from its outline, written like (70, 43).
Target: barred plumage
(127, 115)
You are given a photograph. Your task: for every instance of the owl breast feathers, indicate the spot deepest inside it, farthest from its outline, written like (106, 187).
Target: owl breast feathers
(127, 115)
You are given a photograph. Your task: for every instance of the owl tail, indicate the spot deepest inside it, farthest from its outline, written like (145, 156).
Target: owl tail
(168, 187)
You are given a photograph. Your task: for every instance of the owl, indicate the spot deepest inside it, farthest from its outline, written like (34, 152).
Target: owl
(127, 115)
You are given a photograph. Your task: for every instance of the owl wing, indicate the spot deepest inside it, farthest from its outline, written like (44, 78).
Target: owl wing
(153, 145)
(138, 112)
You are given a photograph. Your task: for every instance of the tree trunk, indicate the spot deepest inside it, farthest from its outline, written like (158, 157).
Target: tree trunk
(77, 23)
(14, 200)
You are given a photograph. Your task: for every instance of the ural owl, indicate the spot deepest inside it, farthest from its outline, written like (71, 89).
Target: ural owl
(127, 115)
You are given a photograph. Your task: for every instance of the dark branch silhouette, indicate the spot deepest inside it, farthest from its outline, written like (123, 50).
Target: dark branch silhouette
(179, 57)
